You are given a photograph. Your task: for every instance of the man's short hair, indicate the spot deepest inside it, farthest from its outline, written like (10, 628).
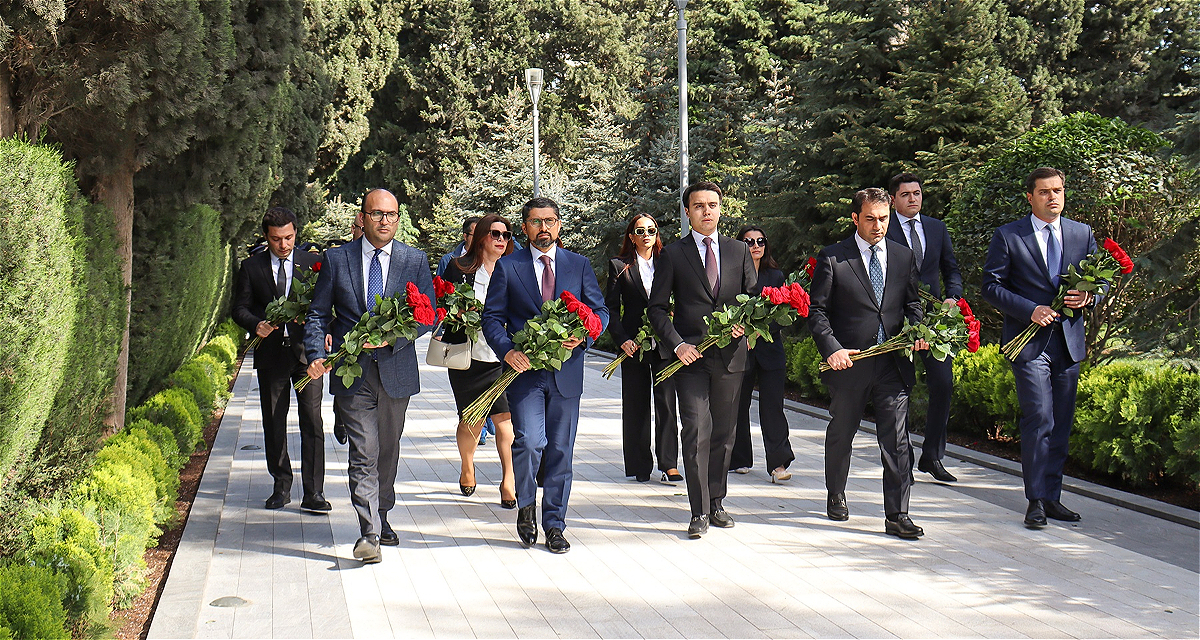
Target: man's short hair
(470, 222)
(703, 185)
(278, 217)
(538, 203)
(899, 179)
(1041, 173)
(870, 194)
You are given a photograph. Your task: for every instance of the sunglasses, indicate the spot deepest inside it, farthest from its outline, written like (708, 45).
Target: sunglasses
(645, 231)
(762, 242)
(496, 235)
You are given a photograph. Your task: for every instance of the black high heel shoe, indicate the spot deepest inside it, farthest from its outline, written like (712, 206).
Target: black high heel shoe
(508, 504)
(466, 490)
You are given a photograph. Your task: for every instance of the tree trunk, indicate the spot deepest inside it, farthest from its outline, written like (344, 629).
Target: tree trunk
(8, 107)
(116, 191)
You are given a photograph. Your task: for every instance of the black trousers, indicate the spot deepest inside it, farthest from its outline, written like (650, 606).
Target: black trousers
(771, 419)
(708, 398)
(637, 392)
(275, 382)
(878, 380)
(939, 377)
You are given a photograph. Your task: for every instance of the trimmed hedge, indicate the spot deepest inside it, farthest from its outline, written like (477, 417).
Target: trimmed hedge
(803, 358)
(63, 539)
(985, 394)
(175, 409)
(206, 378)
(31, 603)
(224, 350)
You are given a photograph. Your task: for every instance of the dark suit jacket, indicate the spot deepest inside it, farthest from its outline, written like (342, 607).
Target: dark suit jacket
(770, 355)
(626, 299)
(1016, 280)
(680, 272)
(340, 288)
(515, 297)
(937, 261)
(844, 314)
(256, 289)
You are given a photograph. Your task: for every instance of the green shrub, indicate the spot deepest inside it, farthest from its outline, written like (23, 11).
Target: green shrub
(224, 350)
(200, 376)
(175, 409)
(138, 448)
(162, 437)
(31, 603)
(182, 271)
(233, 331)
(64, 540)
(803, 358)
(985, 394)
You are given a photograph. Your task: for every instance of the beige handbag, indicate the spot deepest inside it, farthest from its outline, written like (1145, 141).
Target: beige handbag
(450, 356)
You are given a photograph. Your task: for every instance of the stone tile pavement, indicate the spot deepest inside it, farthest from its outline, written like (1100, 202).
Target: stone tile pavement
(784, 571)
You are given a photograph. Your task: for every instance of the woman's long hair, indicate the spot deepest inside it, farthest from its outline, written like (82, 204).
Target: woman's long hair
(470, 261)
(767, 260)
(628, 251)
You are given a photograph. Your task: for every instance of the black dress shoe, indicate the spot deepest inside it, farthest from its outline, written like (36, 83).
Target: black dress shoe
(835, 507)
(698, 526)
(935, 469)
(527, 525)
(1055, 509)
(556, 542)
(367, 549)
(387, 536)
(1035, 515)
(339, 433)
(643, 478)
(720, 518)
(278, 499)
(316, 503)
(902, 527)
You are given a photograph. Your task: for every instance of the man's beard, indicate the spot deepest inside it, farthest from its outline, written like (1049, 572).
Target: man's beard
(542, 242)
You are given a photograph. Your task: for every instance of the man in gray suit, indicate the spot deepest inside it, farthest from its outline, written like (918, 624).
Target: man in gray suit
(374, 406)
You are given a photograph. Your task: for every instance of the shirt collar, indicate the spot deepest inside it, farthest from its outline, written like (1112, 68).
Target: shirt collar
(904, 220)
(864, 246)
(699, 237)
(538, 253)
(276, 259)
(369, 249)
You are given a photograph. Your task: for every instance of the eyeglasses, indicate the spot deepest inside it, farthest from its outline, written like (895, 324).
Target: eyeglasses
(497, 234)
(645, 231)
(762, 242)
(542, 223)
(380, 216)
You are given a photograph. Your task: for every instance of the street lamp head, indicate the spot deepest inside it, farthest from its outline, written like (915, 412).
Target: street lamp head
(533, 80)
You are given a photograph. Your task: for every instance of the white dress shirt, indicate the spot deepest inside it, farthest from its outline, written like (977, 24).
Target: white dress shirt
(385, 261)
(864, 250)
(538, 267)
(716, 247)
(480, 349)
(291, 268)
(1039, 228)
(646, 271)
(905, 228)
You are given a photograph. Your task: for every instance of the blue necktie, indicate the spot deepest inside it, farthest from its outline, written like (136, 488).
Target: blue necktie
(876, 270)
(1053, 255)
(374, 281)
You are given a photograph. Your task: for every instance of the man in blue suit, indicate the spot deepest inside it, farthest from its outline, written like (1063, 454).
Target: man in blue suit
(930, 244)
(545, 404)
(1021, 279)
(374, 406)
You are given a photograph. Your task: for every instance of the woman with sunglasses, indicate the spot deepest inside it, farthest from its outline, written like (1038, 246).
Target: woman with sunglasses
(492, 239)
(767, 365)
(630, 276)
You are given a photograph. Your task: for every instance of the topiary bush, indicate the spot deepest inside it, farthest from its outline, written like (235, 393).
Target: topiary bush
(803, 358)
(233, 331)
(223, 349)
(162, 437)
(175, 409)
(31, 603)
(64, 540)
(137, 448)
(985, 394)
(205, 378)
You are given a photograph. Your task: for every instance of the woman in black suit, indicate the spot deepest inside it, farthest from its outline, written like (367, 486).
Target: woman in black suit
(491, 241)
(768, 365)
(630, 276)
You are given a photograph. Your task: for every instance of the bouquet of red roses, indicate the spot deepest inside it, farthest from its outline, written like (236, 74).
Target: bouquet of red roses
(645, 341)
(804, 276)
(292, 307)
(949, 328)
(393, 318)
(1093, 273)
(458, 308)
(755, 314)
(541, 340)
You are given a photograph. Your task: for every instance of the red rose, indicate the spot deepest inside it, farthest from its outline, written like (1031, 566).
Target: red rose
(317, 267)
(441, 315)
(1117, 252)
(593, 325)
(410, 290)
(973, 336)
(441, 288)
(799, 299)
(778, 296)
(965, 309)
(810, 266)
(766, 292)
(424, 314)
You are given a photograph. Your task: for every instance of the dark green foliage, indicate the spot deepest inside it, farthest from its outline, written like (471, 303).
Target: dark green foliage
(31, 603)
(985, 394)
(206, 378)
(64, 540)
(162, 438)
(231, 330)
(175, 409)
(803, 359)
(182, 272)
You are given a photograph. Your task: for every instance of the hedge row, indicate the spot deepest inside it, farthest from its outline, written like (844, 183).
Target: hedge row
(1139, 422)
(84, 553)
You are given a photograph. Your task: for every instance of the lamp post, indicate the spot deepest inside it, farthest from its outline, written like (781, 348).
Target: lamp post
(533, 80)
(681, 27)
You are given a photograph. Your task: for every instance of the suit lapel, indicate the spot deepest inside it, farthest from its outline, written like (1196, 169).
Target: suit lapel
(897, 274)
(1031, 244)
(528, 276)
(850, 245)
(691, 255)
(268, 276)
(395, 280)
(635, 276)
(731, 267)
(354, 264)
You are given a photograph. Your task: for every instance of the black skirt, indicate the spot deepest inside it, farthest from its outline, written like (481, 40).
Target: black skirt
(469, 384)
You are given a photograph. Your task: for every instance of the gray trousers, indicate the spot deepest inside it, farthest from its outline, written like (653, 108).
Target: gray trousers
(374, 423)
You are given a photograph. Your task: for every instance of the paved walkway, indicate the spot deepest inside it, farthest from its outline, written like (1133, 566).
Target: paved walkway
(783, 571)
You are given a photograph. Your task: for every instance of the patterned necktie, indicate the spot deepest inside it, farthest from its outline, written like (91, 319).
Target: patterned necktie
(914, 240)
(876, 271)
(547, 279)
(281, 279)
(1053, 255)
(710, 267)
(374, 281)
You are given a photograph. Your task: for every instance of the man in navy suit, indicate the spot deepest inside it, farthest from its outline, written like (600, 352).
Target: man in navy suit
(374, 406)
(930, 244)
(1021, 279)
(545, 403)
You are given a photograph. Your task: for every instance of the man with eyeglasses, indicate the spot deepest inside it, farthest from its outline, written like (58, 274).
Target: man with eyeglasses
(374, 406)
(545, 404)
